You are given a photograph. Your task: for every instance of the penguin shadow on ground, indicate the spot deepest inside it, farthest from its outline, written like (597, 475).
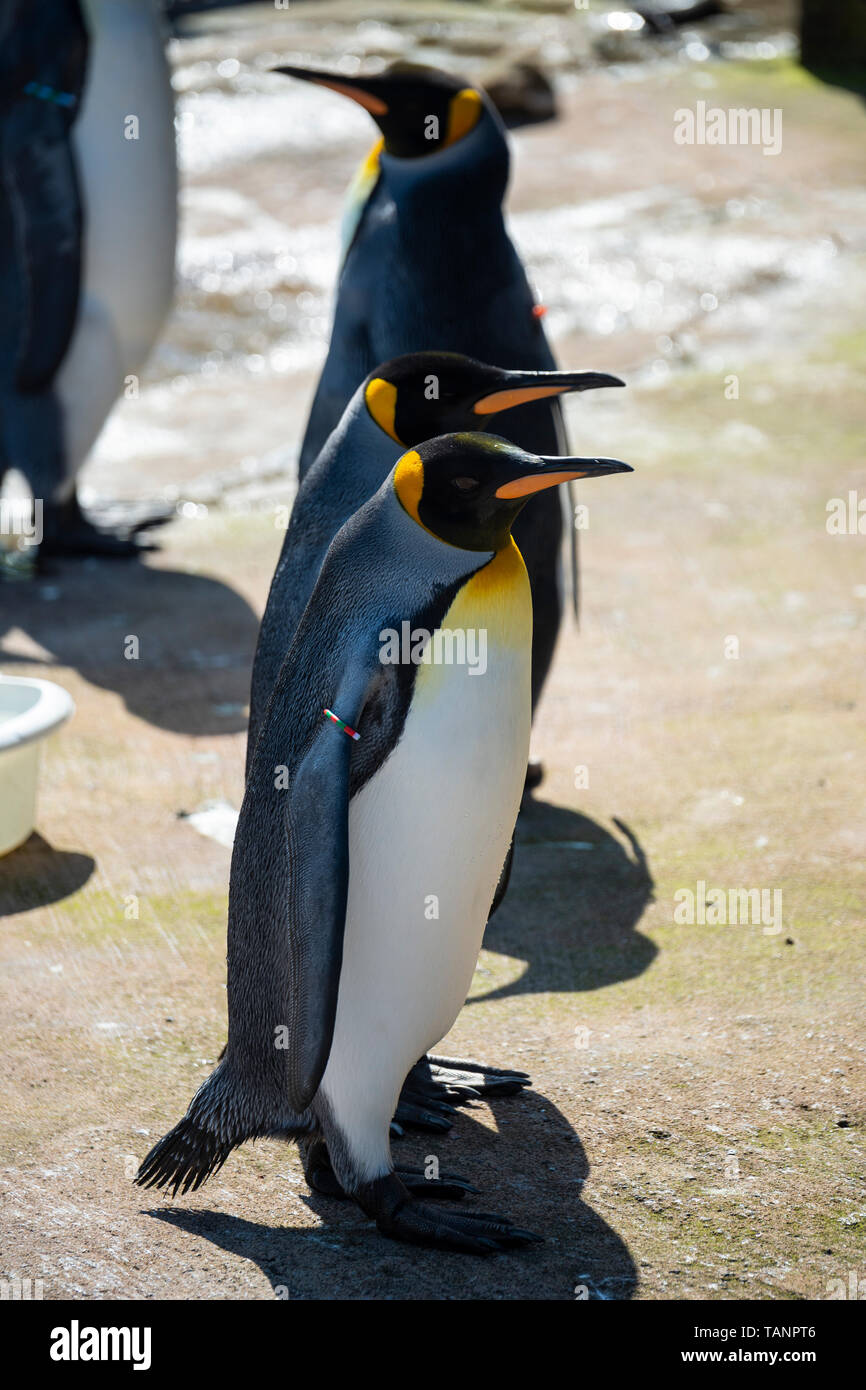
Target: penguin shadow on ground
(176, 647)
(35, 875)
(531, 1168)
(574, 901)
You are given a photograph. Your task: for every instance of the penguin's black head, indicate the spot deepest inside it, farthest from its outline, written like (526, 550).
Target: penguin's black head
(468, 489)
(424, 394)
(419, 110)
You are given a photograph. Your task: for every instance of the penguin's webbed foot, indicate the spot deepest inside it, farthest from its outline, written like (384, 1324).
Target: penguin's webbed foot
(322, 1178)
(484, 1080)
(396, 1213)
(425, 1111)
(450, 1185)
(437, 1085)
(68, 533)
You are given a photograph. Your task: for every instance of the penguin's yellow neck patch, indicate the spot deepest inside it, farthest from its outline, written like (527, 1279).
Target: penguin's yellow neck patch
(358, 193)
(381, 400)
(464, 112)
(369, 167)
(496, 600)
(409, 484)
(504, 573)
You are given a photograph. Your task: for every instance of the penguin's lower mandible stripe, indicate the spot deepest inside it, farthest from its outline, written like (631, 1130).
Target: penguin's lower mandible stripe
(339, 975)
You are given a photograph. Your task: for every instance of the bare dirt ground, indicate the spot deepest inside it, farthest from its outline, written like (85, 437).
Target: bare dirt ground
(695, 1127)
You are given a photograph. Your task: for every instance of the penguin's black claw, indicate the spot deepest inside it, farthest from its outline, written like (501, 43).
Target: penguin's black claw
(399, 1216)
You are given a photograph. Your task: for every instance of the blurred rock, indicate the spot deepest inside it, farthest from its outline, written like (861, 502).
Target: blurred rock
(662, 16)
(522, 93)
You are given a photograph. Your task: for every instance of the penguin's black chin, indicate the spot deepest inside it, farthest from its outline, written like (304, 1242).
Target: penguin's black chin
(485, 527)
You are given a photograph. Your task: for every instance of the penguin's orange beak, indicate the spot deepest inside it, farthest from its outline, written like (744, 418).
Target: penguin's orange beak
(346, 86)
(521, 387)
(559, 470)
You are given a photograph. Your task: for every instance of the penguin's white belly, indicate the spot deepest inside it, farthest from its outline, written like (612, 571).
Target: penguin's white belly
(129, 195)
(428, 836)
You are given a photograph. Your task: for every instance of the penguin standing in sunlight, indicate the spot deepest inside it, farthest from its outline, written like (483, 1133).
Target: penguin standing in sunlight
(401, 403)
(87, 239)
(377, 783)
(428, 264)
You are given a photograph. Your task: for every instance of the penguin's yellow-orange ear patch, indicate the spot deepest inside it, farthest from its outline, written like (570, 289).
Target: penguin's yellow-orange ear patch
(464, 111)
(409, 483)
(381, 399)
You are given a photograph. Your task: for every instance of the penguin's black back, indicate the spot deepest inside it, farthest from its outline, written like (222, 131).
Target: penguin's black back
(431, 267)
(41, 220)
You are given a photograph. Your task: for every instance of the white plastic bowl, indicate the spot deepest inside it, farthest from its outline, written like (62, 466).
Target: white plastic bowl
(30, 710)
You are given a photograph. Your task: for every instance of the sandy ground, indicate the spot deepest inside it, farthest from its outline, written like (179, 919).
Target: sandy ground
(695, 1126)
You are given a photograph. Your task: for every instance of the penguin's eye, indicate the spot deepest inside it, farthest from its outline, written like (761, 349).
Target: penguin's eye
(465, 484)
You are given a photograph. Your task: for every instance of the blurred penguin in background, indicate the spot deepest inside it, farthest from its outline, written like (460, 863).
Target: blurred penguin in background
(88, 225)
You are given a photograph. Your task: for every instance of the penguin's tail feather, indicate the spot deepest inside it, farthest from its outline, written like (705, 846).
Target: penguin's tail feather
(199, 1145)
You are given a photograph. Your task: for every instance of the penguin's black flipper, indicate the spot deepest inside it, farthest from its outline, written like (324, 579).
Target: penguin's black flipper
(290, 864)
(287, 908)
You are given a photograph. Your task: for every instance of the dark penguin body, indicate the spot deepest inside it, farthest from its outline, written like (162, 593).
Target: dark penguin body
(336, 983)
(395, 407)
(431, 267)
(43, 61)
(87, 237)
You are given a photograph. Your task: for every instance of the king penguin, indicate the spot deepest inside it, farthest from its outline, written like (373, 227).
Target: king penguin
(400, 403)
(87, 239)
(377, 788)
(428, 264)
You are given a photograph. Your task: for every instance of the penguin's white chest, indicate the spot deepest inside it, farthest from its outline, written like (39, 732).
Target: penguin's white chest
(428, 836)
(125, 154)
(125, 150)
